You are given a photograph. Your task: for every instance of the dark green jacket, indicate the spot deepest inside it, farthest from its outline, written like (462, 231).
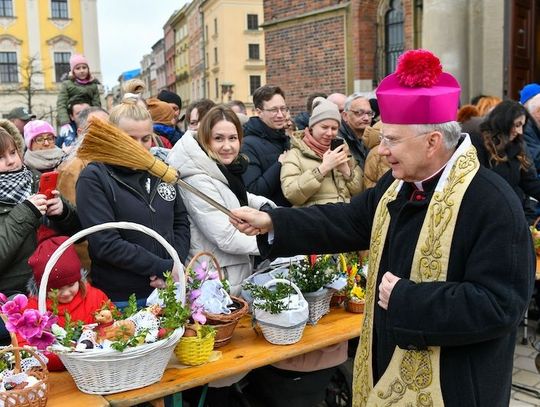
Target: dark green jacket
(70, 90)
(18, 226)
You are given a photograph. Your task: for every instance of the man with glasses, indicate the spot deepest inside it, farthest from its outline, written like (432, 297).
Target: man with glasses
(451, 263)
(265, 143)
(356, 117)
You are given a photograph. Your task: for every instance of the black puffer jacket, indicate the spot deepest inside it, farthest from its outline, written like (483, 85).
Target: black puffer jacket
(263, 145)
(124, 260)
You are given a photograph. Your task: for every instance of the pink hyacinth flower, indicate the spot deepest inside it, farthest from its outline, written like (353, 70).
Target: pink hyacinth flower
(199, 317)
(42, 341)
(16, 305)
(200, 271)
(194, 294)
(31, 323)
(3, 299)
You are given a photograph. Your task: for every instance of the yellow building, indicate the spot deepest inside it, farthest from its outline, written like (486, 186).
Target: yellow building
(179, 23)
(233, 49)
(37, 39)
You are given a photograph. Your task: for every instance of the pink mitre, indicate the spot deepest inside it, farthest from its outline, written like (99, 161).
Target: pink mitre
(418, 92)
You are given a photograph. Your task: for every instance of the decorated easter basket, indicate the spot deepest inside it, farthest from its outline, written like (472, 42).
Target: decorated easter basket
(223, 323)
(109, 371)
(319, 304)
(34, 395)
(194, 350)
(275, 328)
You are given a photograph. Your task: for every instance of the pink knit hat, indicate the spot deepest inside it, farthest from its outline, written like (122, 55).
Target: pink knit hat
(34, 128)
(418, 92)
(77, 59)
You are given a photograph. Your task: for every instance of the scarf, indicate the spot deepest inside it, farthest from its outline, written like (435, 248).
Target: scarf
(43, 160)
(15, 186)
(233, 173)
(315, 145)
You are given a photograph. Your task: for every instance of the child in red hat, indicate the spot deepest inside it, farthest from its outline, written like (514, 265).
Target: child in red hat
(74, 294)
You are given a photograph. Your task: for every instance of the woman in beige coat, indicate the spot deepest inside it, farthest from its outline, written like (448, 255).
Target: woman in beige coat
(312, 173)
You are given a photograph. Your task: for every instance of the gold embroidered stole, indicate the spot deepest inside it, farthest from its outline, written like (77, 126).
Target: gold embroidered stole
(412, 377)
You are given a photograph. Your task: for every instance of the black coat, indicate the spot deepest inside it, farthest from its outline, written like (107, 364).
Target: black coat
(124, 260)
(523, 182)
(356, 146)
(473, 316)
(263, 145)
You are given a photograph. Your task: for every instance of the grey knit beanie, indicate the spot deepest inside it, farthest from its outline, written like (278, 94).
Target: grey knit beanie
(323, 109)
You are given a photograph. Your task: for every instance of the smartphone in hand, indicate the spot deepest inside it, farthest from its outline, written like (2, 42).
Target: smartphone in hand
(335, 143)
(47, 183)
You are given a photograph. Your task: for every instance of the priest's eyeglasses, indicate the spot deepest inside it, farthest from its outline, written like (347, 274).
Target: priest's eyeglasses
(391, 141)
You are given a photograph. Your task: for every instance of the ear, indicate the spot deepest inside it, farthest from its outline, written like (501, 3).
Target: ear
(435, 142)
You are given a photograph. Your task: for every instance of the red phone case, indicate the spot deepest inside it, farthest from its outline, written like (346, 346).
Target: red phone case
(47, 183)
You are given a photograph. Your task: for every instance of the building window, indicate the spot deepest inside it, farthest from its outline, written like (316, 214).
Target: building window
(252, 21)
(215, 56)
(254, 51)
(393, 27)
(61, 65)
(59, 9)
(215, 26)
(206, 32)
(6, 8)
(216, 84)
(8, 67)
(254, 83)
(418, 15)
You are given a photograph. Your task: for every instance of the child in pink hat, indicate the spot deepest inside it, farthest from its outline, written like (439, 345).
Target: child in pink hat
(80, 85)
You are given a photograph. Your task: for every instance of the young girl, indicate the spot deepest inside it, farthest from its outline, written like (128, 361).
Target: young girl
(66, 282)
(125, 262)
(80, 83)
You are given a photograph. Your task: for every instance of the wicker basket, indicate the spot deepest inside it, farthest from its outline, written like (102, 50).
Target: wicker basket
(109, 371)
(194, 350)
(533, 231)
(223, 323)
(31, 396)
(319, 304)
(356, 306)
(279, 335)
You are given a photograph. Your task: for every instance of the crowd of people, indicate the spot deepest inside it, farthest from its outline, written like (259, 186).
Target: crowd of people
(450, 253)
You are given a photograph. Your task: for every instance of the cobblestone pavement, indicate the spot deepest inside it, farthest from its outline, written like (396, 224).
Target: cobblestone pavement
(525, 372)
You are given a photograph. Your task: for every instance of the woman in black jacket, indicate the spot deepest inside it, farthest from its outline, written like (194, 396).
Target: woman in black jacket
(502, 148)
(125, 261)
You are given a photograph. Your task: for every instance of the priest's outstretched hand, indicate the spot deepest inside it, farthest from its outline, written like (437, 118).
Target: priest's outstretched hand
(251, 221)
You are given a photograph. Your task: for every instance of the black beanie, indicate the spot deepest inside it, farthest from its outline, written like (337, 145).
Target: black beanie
(170, 97)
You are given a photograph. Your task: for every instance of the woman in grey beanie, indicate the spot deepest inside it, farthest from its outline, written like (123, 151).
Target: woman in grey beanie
(313, 172)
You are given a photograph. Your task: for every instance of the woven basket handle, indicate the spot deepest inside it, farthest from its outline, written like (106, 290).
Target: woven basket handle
(212, 257)
(97, 228)
(274, 281)
(536, 222)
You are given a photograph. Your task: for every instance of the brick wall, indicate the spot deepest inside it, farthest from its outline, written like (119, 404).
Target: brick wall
(305, 58)
(323, 52)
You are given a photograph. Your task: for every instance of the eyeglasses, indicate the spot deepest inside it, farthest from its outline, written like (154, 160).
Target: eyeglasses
(362, 113)
(43, 139)
(275, 110)
(392, 142)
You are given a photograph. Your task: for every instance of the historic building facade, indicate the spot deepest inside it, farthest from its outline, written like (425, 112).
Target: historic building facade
(37, 40)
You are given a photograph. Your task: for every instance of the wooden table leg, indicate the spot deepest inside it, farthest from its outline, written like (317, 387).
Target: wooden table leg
(158, 402)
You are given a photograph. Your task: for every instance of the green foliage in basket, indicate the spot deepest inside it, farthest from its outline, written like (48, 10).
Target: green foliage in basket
(131, 342)
(73, 331)
(314, 272)
(131, 308)
(270, 300)
(174, 313)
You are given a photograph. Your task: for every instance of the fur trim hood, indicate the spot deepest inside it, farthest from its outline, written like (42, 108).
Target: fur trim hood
(14, 132)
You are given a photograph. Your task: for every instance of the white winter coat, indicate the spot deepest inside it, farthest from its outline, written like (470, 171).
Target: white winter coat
(210, 229)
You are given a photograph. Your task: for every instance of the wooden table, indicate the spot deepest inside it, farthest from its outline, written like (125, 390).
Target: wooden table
(246, 351)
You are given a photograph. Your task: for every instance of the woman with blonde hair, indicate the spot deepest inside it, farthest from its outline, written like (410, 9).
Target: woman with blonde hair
(126, 262)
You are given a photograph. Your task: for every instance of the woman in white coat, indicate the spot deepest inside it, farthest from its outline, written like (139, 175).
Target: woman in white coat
(211, 161)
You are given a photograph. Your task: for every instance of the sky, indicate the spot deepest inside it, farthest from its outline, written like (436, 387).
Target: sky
(127, 30)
